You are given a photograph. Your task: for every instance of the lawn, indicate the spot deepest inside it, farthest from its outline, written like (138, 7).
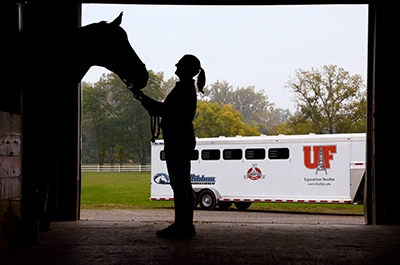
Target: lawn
(118, 190)
(132, 190)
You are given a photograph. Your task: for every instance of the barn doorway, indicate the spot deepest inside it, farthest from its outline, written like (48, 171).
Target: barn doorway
(282, 39)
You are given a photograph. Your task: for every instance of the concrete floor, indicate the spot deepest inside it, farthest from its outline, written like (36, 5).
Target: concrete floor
(224, 240)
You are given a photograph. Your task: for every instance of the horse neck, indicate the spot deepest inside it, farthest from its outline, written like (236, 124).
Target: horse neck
(82, 66)
(83, 56)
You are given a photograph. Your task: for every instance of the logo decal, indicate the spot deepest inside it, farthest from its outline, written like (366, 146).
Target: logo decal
(161, 178)
(320, 157)
(197, 179)
(254, 173)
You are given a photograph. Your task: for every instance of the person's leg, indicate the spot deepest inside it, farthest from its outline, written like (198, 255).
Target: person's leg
(178, 165)
(188, 218)
(179, 173)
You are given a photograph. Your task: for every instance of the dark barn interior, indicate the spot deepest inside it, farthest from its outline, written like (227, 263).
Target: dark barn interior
(40, 122)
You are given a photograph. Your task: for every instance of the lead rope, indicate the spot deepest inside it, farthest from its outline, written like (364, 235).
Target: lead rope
(155, 127)
(154, 120)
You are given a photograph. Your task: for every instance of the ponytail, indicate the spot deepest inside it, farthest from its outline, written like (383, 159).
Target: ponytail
(201, 80)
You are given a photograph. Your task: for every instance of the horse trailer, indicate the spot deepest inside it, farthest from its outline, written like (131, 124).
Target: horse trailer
(327, 168)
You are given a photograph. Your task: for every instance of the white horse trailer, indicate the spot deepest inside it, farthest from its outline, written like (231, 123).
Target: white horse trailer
(325, 168)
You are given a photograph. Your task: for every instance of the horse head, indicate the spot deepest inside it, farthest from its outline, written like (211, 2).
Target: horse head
(107, 45)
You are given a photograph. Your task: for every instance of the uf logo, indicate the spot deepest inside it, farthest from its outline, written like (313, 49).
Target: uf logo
(320, 157)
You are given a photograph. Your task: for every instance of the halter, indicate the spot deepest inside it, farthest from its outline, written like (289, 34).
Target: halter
(154, 120)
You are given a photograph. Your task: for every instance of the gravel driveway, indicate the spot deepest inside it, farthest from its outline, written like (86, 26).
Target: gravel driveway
(200, 216)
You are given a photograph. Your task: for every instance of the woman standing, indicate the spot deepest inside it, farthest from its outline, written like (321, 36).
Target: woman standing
(177, 112)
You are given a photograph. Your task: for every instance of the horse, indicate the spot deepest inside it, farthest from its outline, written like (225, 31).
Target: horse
(56, 62)
(119, 57)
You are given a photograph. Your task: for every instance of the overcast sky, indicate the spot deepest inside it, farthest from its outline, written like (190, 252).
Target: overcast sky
(244, 45)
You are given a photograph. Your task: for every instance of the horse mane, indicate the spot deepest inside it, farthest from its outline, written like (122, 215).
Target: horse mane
(95, 28)
(89, 28)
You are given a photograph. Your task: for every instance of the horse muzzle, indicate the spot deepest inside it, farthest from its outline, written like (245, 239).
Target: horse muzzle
(139, 81)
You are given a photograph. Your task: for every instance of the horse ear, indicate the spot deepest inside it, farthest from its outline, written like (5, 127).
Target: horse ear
(118, 20)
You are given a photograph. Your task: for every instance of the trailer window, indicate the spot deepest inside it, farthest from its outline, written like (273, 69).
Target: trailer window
(194, 156)
(278, 153)
(210, 154)
(255, 154)
(162, 155)
(232, 154)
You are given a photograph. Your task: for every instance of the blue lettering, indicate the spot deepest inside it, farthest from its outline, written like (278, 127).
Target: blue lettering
(197, 179)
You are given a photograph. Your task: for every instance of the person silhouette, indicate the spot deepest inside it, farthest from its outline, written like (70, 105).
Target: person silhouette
(177, 113)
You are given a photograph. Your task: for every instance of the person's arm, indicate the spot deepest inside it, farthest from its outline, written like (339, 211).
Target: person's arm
(152, 106)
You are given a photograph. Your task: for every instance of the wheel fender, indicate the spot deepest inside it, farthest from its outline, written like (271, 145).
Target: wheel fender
(216, 193)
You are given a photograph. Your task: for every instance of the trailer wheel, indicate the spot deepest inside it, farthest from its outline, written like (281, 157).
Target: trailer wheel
(242, 205)
(224, 205)
(207, 200)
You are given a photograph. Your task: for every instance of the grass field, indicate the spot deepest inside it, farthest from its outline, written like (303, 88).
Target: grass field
(132, 190)
(118, 190)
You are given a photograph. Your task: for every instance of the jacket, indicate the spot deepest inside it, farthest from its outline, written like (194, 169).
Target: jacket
(177, 111)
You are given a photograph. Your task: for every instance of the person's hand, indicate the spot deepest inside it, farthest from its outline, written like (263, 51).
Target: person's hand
(147, 104)
(138, 94)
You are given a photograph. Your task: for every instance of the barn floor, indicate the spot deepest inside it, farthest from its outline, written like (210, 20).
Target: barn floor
(228, 241)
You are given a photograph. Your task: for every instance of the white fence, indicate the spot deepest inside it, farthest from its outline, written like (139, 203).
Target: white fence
(117, 168)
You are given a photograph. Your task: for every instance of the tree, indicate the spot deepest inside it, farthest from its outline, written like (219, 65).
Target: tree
(96, 120)
(330, 100)
(252, 105)
(219, 92)
(213, 120)
(118, 122)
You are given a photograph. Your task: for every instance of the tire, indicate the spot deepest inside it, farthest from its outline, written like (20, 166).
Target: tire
(242, 205)
(224, 205)
(207, 200)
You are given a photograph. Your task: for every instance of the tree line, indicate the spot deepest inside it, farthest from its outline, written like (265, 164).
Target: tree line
(116, 128)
